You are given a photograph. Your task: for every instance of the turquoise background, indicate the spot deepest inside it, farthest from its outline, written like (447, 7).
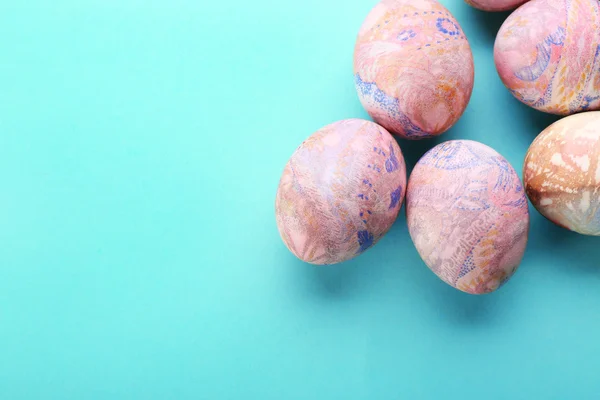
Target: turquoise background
(141, 144)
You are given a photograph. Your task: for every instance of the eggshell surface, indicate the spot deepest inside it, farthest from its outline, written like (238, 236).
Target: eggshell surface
(562, 173)
(340, 192)
(467, 215)
(547, 54)
(413, 67)
(495, 5)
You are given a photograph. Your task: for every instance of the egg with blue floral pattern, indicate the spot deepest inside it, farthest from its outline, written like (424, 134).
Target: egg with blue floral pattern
(340, 192)
(467, 215)
(546, 54)
(413, 67)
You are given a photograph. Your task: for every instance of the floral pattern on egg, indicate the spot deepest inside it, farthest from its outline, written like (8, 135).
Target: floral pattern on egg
(340, 192)
(562, 173)
(467, 215)
(547, 54)
(413, 67)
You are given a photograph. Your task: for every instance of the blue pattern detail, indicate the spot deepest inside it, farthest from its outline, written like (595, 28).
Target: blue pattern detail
(444, 156)
(468, 266)
(395, 197)
(448, 27)
(392, 163)
(365, 240)
(474, 200)
(379, 151)
(587, 101)
(504, 181)
(544, 53)
(455, 155)
(372, 94)
(406, 35)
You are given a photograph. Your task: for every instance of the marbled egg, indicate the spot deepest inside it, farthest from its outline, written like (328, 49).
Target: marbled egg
(495, 5)
(340, 192)
(547, 54)
(467, 215)
(413, 67)
(562, 173)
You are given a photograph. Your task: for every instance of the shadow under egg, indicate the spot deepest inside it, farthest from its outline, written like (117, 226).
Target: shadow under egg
(537, 121)
(574, 253)
(489, 23)
(363, 275)
(413, 150)
(465, 310)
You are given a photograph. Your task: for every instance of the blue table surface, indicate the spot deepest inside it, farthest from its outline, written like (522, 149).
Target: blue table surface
(141, 146)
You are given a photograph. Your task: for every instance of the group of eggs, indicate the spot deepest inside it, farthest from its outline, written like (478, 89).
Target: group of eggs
(467, 210)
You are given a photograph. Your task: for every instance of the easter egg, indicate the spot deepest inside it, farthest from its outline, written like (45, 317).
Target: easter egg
(467, 215)
(547, 54)
(413, 67)
(495, 5)
(340, 192)
(562, 173)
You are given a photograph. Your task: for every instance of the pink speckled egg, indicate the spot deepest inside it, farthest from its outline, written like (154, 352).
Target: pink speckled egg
(467, 215)
(562, 173)
(340, 192)
(547, 55)
(495, 5)
(413, 67)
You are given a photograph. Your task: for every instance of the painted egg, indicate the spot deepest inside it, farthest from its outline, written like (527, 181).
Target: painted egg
(413, 67)
(467, 215)
(340, 192)
(495, 5)
(547, 55)
(562, 173)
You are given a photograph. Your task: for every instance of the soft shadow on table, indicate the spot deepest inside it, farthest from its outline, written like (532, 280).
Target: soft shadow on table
(413, 150)
(335, 281)
(570, 251)
(468, 310)
(362, 275)
(393, 274)
(535, 120)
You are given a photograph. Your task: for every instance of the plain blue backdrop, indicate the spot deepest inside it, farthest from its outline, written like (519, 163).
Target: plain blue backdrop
(141, 144)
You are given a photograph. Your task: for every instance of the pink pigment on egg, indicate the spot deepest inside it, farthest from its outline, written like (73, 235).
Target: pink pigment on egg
(413, 67)
(340, 192)
(547, 54)
(467, 215)
(495, 5)
(562, 173)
